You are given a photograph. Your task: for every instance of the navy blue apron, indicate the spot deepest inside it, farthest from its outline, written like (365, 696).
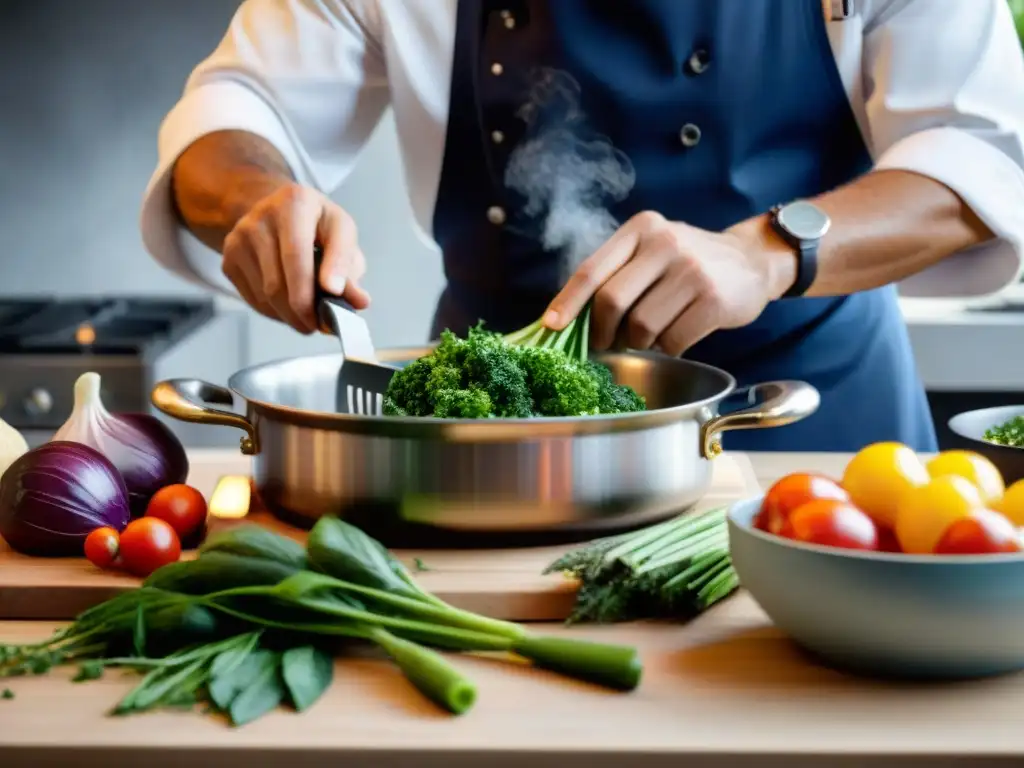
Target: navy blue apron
(724, 107)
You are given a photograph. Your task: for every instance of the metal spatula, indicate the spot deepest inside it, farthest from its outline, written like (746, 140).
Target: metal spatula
(362, 380)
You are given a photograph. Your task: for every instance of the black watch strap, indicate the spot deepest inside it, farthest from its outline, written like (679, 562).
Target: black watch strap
(806, 268)
(806, 257)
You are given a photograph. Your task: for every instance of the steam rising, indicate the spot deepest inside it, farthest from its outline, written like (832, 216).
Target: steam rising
(568, 175)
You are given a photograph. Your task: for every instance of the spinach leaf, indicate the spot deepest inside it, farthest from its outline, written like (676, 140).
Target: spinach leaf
(226, 687)
(265, 692)
(341, 550)
(307, 673)
(219, 570)
(256, 541)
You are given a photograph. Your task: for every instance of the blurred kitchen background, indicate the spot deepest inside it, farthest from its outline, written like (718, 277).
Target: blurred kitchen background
(83, 88)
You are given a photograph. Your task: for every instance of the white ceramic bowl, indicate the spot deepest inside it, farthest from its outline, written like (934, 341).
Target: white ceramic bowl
(917, 616)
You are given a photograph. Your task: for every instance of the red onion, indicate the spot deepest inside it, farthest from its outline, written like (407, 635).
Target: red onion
(142, 448)
(55, 495)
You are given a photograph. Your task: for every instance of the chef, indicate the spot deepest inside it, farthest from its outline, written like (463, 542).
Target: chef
(790, 163)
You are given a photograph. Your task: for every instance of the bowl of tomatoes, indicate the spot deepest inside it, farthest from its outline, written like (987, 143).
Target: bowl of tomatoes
(906, 566)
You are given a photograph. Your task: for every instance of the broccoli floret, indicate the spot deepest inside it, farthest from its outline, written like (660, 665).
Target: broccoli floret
(560, 385)
(493, 366)
(487, 375)
(615, 398)
(470, 403)
(391, 408)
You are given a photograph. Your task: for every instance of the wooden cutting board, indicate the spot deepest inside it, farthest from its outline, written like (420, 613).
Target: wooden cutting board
(503, 583)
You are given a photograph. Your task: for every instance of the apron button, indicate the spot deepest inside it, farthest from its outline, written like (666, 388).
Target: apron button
(689, 135)
(496, 69)
(698, 62)
(496, 215)
(497, 137)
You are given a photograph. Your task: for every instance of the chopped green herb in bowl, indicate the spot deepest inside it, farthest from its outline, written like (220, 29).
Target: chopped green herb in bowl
(1009, 433)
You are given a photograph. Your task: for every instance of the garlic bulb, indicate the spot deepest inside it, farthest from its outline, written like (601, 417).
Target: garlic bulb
(12, 445)
(144, 450)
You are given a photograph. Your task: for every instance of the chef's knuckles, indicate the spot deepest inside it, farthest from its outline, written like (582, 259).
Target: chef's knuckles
(268, 255)
(665, 285)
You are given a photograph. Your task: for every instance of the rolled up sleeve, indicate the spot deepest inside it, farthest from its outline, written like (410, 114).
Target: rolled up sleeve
(306, 75)
(944, 98)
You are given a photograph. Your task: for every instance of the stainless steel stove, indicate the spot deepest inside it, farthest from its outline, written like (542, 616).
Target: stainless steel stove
(46, 343)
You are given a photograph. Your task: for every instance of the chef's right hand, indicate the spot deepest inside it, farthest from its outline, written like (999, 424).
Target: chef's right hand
(268, 256)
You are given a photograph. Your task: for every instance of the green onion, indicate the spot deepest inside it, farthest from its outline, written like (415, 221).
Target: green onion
(675, 569)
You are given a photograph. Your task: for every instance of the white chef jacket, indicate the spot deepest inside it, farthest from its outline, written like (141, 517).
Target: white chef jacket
(937, 88)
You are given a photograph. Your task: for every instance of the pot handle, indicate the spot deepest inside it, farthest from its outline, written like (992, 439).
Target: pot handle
(186, 400)
(784, 403)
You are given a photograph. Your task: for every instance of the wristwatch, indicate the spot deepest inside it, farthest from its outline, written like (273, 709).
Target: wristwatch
(802, 225)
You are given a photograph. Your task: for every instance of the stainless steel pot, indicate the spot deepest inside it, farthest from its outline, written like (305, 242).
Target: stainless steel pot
(503, 475)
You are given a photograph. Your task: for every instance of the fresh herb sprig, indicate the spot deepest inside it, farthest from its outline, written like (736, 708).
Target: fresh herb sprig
(676, 569)
(1010, 433)
(246, 626)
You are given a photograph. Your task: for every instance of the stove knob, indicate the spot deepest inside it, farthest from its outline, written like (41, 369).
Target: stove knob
(39, 402)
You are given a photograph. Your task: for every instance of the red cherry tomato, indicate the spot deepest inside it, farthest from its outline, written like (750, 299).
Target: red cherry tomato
(180, 506)
(147, 544)
(831, 523)
(984, 532)
(794, 491)
(102, 546)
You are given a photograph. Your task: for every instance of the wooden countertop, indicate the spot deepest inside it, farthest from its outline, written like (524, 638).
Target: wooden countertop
(725, 690)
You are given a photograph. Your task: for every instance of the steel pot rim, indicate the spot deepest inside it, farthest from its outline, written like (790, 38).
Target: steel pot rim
(189, 399)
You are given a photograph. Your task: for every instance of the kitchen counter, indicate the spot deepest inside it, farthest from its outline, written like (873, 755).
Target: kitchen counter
(959, 348)
(725, 690)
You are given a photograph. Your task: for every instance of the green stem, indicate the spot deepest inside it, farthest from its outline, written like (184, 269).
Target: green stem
(686, 530)
(715, 544)
(614, 666)
(449, 637)
(714, 568)
(434, 677)
(438, 610)
(313, 629)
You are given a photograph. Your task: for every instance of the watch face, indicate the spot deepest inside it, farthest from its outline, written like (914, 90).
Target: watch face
(804, 220)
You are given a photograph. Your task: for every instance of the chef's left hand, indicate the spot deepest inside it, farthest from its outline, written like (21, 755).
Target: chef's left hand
(666, 285)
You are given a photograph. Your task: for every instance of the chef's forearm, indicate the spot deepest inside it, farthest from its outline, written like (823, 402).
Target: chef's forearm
(220, 177)
(886, 226)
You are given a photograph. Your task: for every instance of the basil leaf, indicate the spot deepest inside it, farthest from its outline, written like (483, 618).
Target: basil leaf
(226, 687)
(307, 673)
(343, 551)
(262, 695)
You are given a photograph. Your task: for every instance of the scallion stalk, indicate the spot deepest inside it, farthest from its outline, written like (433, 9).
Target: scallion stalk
(674, 569)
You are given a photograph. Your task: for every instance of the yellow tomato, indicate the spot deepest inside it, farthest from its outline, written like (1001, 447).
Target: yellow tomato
(1012, 503)
(927, 511)
(878, 476)
(972, 467)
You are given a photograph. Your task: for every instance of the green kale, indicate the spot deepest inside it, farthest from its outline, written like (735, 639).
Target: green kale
(534, 372)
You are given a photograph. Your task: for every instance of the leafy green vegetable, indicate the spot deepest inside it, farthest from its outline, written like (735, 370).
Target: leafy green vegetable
(675, 569)
(307, 673)
(262, 694)
(1011, 433)
(533, 372)
(7, 693)
(254, 541)
(244, 632)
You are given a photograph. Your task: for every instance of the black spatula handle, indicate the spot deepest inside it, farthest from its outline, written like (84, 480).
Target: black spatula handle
(319, 294)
